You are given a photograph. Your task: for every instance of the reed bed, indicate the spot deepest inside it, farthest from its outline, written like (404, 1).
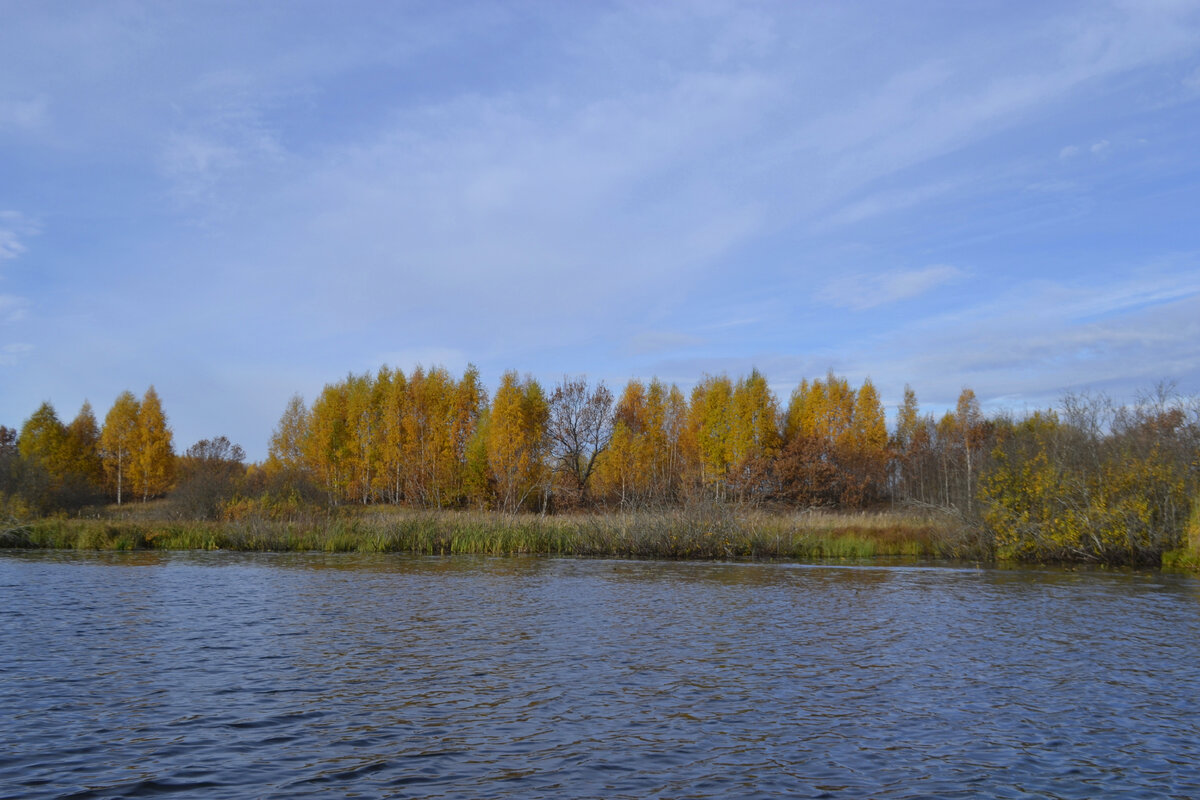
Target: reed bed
(704, 534)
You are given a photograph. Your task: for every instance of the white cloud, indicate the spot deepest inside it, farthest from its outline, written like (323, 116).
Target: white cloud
(865, 290)
(11, 354)
(510, 212)
(220, 134)
(927, 111)
(1100, 147)
(608, 186)
(10, 245)
(14, 227)
(13, 308)
(888, 202)
(1041, 338)
(197, 162)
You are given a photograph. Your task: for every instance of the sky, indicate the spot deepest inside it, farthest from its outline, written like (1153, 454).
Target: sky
(237, 202)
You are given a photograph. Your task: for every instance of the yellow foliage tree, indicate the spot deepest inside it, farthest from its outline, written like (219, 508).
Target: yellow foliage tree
(624, 471)
(517, 440)
(469, 402)
(754, 437)
(286, 451)
(83, 446)
(119, 441)
(836, 444)
(710, 425)
(362, 434)
(155, 457)
(392, 388)
(326, 445)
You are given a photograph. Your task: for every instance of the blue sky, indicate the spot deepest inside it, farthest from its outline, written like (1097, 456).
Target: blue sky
(236, 202)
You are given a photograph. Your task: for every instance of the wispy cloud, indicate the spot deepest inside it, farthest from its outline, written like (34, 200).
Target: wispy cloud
(13, 308)
(868, 290)
(14, 229)
(953, 102)
(595, 187)
(1192, 81)
(1035, 340)
(11, 354)
(220, 134)
(10, 244)
(885, 202)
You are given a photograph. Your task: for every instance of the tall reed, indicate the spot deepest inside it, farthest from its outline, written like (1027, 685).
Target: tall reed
(699, 533)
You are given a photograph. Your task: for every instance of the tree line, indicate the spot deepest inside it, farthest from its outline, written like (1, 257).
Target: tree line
(1091, 480)
(50, 465)
(430, 439)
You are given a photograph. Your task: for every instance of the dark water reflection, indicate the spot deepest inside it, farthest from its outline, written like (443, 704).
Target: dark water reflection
(234, 675)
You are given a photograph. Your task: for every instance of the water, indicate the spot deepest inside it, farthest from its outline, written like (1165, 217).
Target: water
(236, 675)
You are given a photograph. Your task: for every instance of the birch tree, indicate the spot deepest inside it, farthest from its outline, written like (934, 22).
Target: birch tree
(119, 441)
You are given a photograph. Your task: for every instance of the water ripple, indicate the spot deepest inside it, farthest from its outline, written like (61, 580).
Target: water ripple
(233, 675)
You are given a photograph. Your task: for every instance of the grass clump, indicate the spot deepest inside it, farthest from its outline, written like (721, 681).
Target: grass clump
(706, 532)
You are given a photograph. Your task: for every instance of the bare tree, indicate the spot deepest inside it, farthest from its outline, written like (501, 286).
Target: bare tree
(209, 475)
(580, 429)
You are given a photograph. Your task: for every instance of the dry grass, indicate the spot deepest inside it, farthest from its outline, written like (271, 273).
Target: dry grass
(709, 532)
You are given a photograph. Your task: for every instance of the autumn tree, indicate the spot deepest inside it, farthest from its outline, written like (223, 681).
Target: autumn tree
(286, 450)
(645, 462)
(710, 427)
(623, 470)
(908, 421)
(326, 445)
(286, 472)
(579, 431)
(432, 439)
(119, 441)
(155, 457)
(362, 435)
(836, 444)
(43, 441)
(969, 427)
(667, 412)
(517, 440)
(1092, 481)
(470, 401)
(42, 446)
(387, 437)
(754, 436)
(865, 447)
(392, 391)
(64, 457)
(83, 449)
(478, 485)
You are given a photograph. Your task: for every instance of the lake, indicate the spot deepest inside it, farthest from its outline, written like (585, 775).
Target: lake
(258, 675)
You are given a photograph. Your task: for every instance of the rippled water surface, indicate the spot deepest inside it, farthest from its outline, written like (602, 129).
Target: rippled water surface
(234, 675)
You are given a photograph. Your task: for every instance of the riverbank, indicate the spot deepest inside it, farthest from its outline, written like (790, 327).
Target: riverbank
(710, 533)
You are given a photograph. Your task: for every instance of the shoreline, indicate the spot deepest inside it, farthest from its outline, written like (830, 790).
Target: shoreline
(668, 535)
(710, 534)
